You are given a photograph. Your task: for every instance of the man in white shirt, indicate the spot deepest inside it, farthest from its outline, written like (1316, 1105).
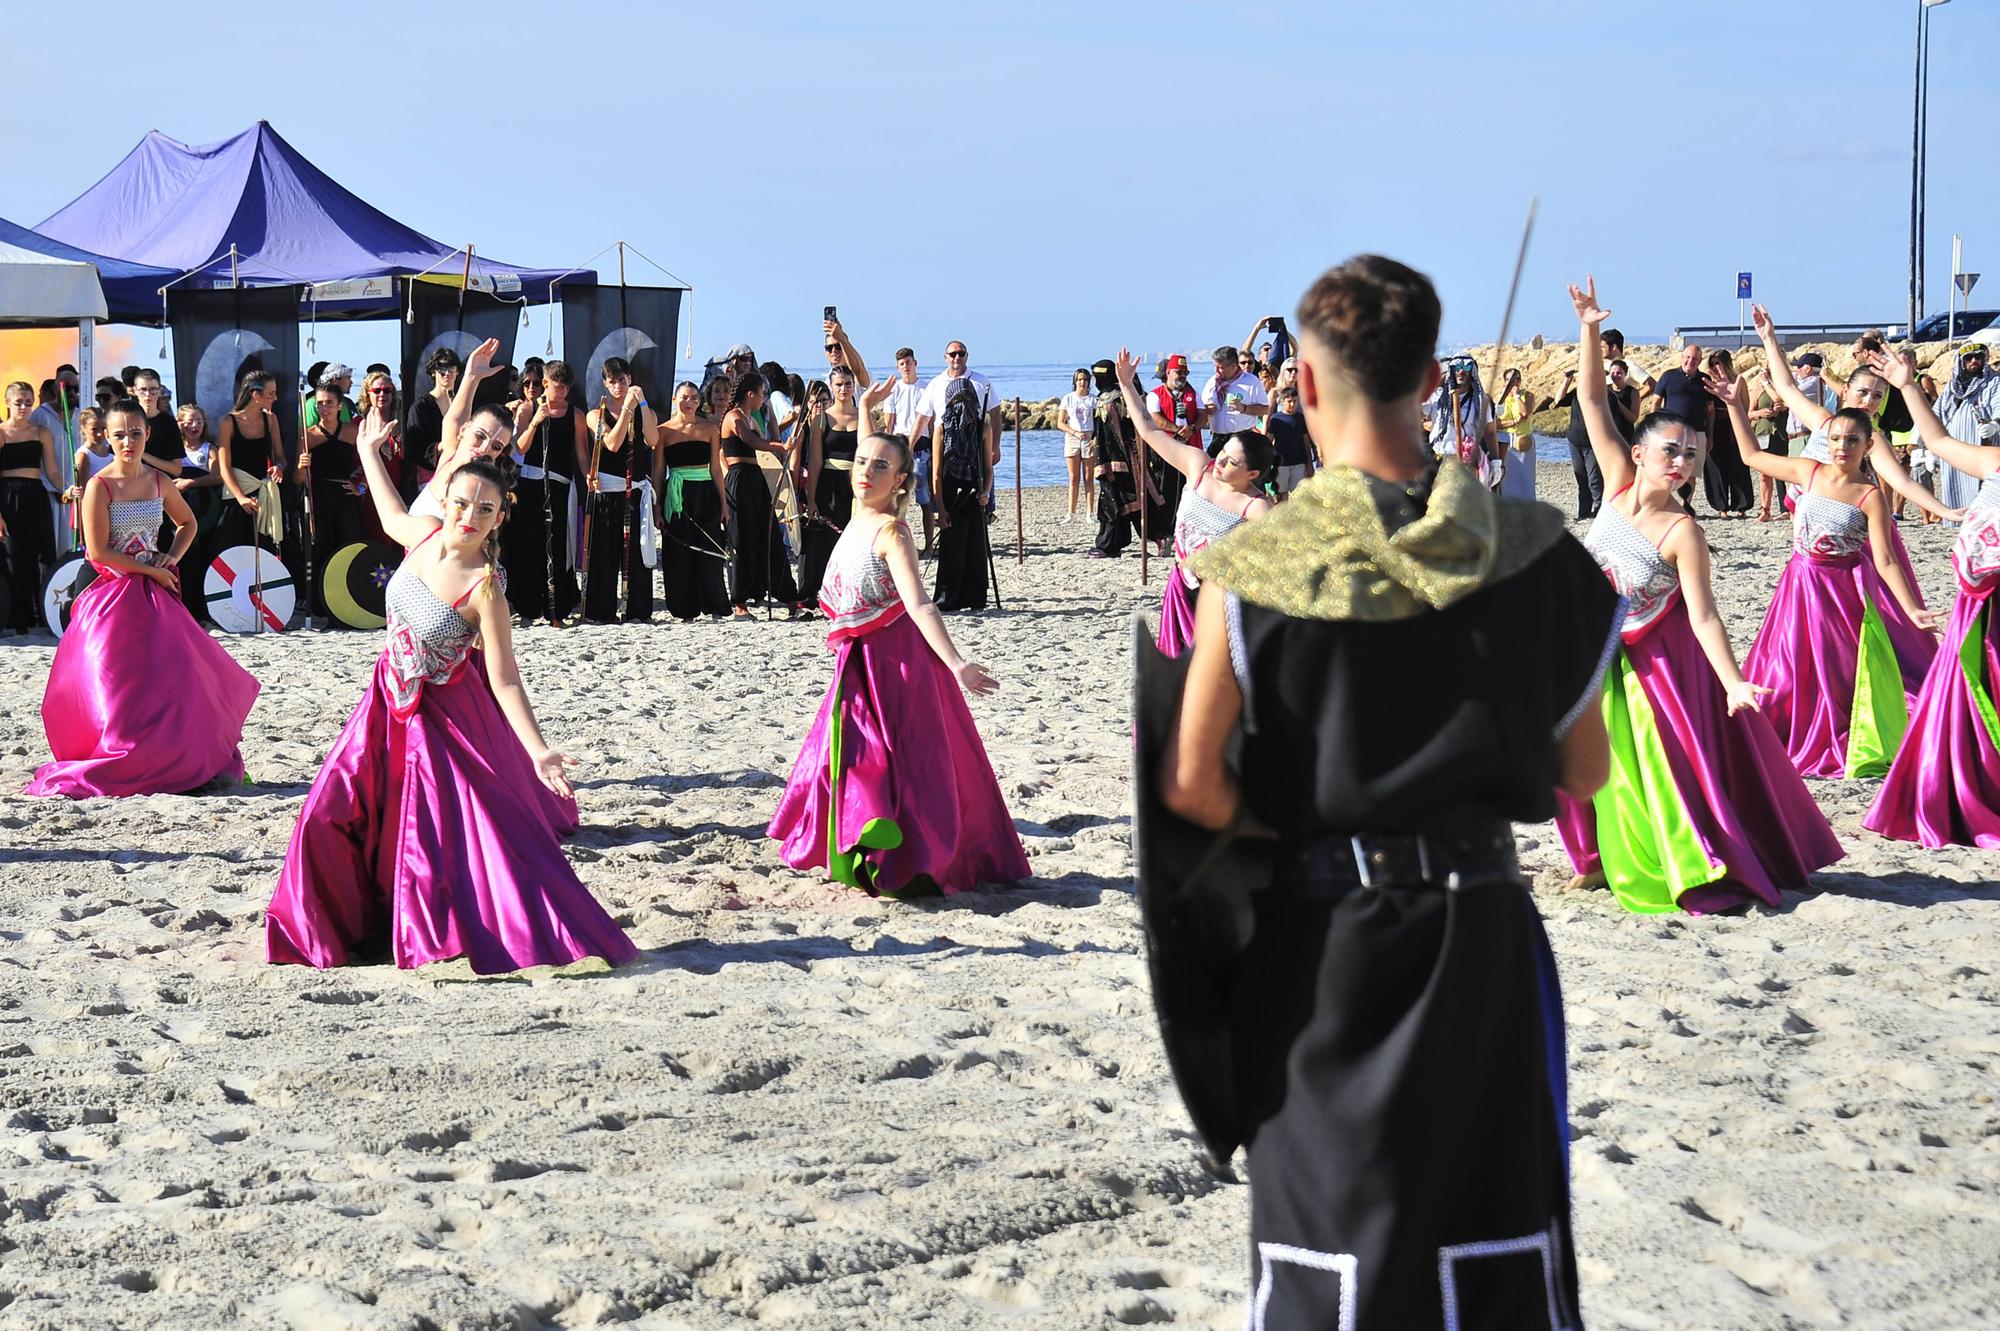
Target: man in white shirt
(1232, 400)
(931, 405)
(899, 397)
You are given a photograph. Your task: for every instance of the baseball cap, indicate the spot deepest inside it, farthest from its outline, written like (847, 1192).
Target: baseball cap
(1173, 363)
(1811, 359)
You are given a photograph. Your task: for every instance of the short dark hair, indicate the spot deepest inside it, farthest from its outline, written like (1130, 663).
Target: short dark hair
(1379, 319)
(147, 373)
(900, 353)
(444, 358)
(1227, 353)
(617, 367)
(1612, 335)
(127, 374)
(558, 372)
(377, 368)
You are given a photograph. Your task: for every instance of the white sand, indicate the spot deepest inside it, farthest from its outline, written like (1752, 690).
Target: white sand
(810, 1109)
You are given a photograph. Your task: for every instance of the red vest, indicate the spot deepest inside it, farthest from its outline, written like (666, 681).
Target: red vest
(1177, 407)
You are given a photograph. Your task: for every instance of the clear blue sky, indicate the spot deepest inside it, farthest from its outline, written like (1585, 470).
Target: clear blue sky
(1048, 180)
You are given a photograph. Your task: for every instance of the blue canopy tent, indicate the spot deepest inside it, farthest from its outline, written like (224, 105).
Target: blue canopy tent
(252, 210)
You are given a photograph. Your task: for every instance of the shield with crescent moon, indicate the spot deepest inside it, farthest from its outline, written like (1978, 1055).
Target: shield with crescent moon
(355, 583)
(66, 582)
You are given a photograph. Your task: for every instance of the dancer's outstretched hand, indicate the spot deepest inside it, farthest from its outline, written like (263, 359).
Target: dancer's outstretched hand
(1926, 620)
(1760, 319)
(377, 432)
(480, 365)
(549, 766)
(973, 677)
(1745, 697)
(1584, 298)
(1899, 372)
(1728, 391)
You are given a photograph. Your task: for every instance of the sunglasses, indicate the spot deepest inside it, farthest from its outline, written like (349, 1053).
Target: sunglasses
(954, 355)
(833, 346)
(379, 391)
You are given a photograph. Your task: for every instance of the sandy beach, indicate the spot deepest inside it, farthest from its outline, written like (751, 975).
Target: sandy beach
(808, 1109)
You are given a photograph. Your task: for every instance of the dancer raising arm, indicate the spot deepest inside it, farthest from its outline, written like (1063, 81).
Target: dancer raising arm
(465, 434)
(139, 700)
(1944, 785)
(1220, 495)
(1846, 640)
(1702, 812)
(428, 820)
(892, 791)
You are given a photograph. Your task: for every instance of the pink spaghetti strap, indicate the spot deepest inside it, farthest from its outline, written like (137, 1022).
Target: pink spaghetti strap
(470, 590)
(425, 537)
(1662, 542)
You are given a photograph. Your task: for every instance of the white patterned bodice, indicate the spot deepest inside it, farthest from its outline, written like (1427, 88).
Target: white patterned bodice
(135, 528)
(1635, 566)
(428, 640)
(857, 592)
(1827, 528)
(1975, 554)
(1197, 522)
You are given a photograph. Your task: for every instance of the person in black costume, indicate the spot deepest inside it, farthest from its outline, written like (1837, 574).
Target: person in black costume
(757, 564)
(330, 461)
(688, 477)
(621, 499)
(829, 482)
(423, 428)
(962, 481)
(1350, 973)
(1117, 442)
(250, 455)
(549, 431)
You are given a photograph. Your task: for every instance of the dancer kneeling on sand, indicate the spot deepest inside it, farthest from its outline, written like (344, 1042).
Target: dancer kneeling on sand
(1944, 785)
(139, 700)
(429, 820)
(1847, 640)
(892, 791)
(1703, 811)
(1220, 496)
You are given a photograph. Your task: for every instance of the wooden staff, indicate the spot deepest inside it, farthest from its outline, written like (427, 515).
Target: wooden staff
(1020, 539)
(1139, 480)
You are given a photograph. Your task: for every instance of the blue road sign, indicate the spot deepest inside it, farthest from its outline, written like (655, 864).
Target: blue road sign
(1743, 286)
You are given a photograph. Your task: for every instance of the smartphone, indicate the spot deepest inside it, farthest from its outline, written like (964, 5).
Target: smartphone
(829, 314)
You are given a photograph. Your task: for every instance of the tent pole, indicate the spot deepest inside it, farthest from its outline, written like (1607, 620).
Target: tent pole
(233, 283)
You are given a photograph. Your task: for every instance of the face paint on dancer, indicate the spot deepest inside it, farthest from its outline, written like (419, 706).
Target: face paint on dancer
(881, 473)
(1667, 455)
(471, 511)
(490, 433)
(1847, 442)
(1865, 391)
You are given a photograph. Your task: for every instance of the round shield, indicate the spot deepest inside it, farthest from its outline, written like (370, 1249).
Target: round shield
(67, 580)
(356, 581)
(249, 590)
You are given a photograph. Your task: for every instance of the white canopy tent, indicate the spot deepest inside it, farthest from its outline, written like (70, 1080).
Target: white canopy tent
(41, 291)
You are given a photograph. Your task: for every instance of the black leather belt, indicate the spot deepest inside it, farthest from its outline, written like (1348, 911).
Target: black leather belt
(1449, 861)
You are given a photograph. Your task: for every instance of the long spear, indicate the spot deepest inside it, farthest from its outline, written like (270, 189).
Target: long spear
(1507, 317)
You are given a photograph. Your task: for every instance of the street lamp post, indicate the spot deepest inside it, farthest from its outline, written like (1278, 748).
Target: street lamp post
(1919, 158)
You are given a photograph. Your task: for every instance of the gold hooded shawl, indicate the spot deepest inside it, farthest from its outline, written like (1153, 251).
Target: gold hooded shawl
(1325, 553)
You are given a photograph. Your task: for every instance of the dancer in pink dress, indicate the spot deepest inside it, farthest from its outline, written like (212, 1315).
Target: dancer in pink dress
(1220, 496)
(1944, 786)
(1847, 639)
(139, 700)
(892, 792)
(429, 820)
(1702, 812)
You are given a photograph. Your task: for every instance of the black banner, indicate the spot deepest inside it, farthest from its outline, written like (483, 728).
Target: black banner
(444, 316)
(221, 335)
(638, 323)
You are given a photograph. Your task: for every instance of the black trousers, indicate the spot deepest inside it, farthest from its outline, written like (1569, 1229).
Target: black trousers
(693, 557)
(961, 561)
(1726, 479)
(614, 548)
(757, 566)
(534, 551)
(1589, 481)
(31, 546)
